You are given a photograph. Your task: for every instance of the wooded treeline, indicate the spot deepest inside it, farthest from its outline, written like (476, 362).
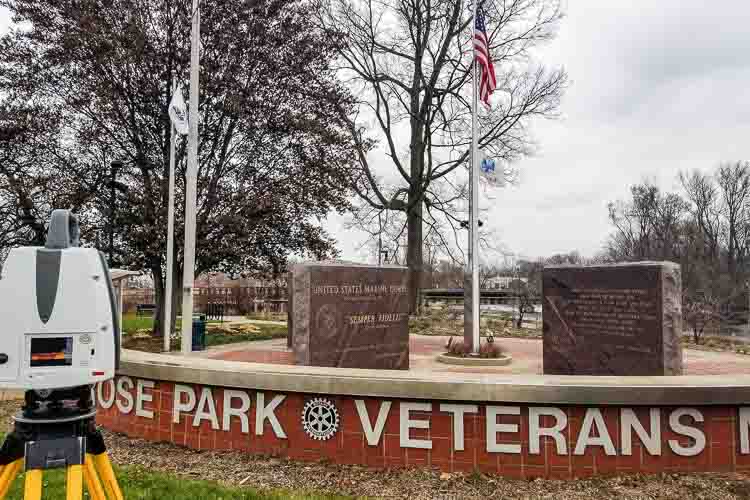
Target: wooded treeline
(705, 227)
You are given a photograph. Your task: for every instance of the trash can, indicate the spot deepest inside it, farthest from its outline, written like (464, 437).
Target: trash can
(199, 332)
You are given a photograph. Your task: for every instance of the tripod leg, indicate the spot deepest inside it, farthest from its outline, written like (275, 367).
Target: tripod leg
(33, 485)
(10, 472)
(96, 492)
(104, 466)
(74, 482)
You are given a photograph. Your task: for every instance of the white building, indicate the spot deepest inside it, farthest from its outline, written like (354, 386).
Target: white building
(503, 282)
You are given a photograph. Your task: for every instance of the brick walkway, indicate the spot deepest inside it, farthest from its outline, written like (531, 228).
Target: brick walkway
(527, 356)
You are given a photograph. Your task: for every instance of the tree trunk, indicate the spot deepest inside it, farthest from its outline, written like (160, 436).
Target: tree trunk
(157, 329)
(414, 255)
(176, 298)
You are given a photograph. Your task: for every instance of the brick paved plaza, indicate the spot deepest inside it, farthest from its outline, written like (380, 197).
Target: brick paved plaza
(527, 356)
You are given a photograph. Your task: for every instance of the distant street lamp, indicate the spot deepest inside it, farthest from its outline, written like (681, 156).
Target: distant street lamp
(383, 253)
(114, 186)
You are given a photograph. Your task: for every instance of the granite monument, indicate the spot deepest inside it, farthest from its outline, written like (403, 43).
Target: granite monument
(617, 319)
(350, 316)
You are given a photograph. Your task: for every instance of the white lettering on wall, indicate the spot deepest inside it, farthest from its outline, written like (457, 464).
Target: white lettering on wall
(594, 418)
(536, 431)
(141, 397)
(106, 403)
(629, 422)
(744, 427)
(177, 404)
(493, 428)
(241, 412)
(127, 406)
(458, 412)
(692, 432)
(263, 412)
(206, 409)
(372, 433)
(406, 424)
(131, 395)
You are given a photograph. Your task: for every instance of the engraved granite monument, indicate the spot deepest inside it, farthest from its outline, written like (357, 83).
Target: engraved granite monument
(350, 316)
(618, 319)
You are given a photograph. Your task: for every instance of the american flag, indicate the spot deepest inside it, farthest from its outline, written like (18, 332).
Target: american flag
(487, 82)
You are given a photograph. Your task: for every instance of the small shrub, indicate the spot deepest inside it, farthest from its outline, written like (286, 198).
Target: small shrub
(458, 348)
(490, 350)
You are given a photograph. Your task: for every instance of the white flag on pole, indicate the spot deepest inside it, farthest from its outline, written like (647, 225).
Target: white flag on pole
(178, 112)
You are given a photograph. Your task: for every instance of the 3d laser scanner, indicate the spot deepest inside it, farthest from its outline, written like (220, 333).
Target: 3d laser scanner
(60, 321)
(60, 336)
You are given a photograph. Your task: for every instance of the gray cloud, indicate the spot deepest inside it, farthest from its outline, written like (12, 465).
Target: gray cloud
(658, 86)
(4, 20)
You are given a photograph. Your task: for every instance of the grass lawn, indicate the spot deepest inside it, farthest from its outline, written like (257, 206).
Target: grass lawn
(139, 483)
(216, 334)
(257, 332)
(136, 482)
(132, 323)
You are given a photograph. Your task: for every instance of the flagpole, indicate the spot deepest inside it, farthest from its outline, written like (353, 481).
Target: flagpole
(191, 179)
(474, 206)
(170, 232)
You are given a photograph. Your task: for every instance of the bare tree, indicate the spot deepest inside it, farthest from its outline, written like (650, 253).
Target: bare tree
(700, 311)
(487, 271)
(707, 232)
(409, 63)
(525, 294)
(733, 180)
(704, 197)
(648, 226)
(387, 231)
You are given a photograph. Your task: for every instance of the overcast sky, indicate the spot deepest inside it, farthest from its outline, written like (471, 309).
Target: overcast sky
(4, 20)
(656, 87)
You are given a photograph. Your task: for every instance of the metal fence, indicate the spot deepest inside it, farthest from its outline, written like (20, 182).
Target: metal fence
(233, 300)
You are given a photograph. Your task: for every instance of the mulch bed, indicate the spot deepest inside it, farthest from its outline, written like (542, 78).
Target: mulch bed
(233, 468)
(267, 472)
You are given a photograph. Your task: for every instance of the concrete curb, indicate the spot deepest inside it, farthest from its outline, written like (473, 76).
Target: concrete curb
(503, 360)
(453, 386)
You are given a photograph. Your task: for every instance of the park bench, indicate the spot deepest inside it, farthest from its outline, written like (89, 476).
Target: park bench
(141, 309)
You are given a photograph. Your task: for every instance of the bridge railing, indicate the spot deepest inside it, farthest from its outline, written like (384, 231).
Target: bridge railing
(456, 296)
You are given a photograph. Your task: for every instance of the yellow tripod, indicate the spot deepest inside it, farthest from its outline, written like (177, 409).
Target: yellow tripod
(75, 477)
(58, 439)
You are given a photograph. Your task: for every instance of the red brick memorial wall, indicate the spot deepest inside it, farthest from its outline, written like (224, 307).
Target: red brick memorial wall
(513, 440)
